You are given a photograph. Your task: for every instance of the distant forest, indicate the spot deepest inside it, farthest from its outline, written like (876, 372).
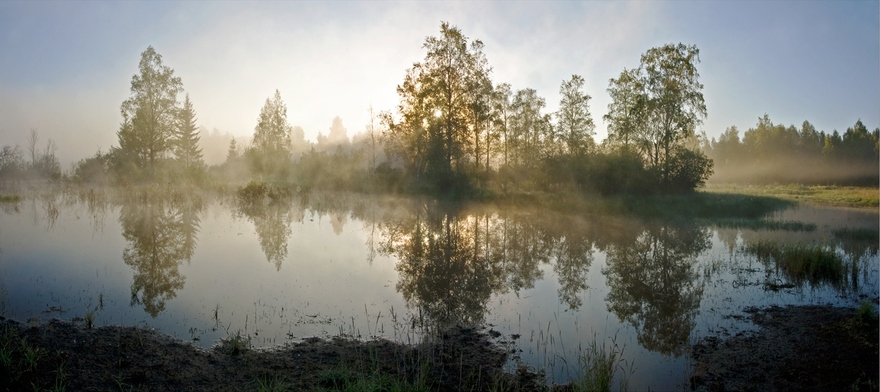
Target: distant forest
(457, 132)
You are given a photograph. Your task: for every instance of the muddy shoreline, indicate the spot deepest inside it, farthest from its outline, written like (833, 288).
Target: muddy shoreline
(794, 348)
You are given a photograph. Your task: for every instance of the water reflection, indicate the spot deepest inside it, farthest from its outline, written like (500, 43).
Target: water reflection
(443, 270)
(161, 234)
(272, 220)
(654, 286)
(451, 262)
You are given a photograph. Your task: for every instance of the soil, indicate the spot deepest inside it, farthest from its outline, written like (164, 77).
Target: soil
(795, 348)
(134, 358)
(804, 348)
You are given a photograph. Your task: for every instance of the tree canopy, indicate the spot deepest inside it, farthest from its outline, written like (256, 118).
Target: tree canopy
(150, 115)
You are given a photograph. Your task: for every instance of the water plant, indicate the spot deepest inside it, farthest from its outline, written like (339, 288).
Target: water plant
(816, 264)
(599, 364)
(89, 319)
(236, 344)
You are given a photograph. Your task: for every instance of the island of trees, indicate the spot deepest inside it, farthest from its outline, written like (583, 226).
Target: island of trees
(456, 132)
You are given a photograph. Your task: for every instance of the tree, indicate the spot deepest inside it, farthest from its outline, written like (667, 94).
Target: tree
(32, 140)
(529, 127)
(625, 116)
(574, 123)
(149, 116)
(186, 143)
(272, 141)
(657, 107)
(441, 104)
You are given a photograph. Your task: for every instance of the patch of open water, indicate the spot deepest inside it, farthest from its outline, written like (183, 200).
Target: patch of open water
(201, 268)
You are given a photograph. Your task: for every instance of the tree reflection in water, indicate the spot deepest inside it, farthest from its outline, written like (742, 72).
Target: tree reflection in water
(654, 286)
(272, 220)
(442, 270)
(161, 232)
(450, 263)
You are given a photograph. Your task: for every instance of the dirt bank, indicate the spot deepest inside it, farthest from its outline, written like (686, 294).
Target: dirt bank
(804, 348)
(130, 358)
(819, 348)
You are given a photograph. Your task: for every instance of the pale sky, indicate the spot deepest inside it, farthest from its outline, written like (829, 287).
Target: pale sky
(66, 67)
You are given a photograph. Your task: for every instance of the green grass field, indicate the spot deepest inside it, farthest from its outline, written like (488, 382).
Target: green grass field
(840, 196)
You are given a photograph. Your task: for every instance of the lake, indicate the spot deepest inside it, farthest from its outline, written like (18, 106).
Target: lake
(202, 266)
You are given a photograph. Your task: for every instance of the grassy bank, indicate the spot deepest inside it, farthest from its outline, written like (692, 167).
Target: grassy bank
(822, 195)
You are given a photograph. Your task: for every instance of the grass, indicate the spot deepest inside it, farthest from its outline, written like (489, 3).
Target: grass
(32, 354)
(867, 312)
(8, 338)
(90, 319)
(823, 195)
(816, 264)
(348, 378)
(236, 344)
(271, 384)
(10, 198)
(599, 365)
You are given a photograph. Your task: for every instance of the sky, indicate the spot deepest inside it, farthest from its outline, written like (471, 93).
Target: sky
(66, 67)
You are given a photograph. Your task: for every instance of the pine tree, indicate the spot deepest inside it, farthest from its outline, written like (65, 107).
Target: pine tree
(186, 143)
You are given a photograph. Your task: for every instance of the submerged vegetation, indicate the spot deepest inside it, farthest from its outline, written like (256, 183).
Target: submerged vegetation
(816, 264)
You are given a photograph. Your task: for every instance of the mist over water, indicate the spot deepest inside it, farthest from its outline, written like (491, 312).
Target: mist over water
(201, 266)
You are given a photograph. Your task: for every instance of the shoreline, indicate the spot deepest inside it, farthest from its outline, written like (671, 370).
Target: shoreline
(795, 348)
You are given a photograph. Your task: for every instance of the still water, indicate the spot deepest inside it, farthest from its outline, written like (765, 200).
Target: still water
(201, 267)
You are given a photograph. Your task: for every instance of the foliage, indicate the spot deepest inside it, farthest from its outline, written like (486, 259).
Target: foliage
(574, 123)
(442, 100)
(271, 149)
(769, 153)
(186, 141)
(815, 264)
(149, 117)
(94, 170)
(655, 111)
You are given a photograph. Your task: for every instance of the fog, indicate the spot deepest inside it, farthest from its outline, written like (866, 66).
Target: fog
(66, 68)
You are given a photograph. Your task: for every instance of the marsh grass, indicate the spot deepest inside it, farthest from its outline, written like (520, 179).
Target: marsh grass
(816, 264)
(599, 364)
(235, 344)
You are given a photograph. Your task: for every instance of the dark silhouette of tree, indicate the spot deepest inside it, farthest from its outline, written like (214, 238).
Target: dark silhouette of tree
(440, 104)
(149, 116)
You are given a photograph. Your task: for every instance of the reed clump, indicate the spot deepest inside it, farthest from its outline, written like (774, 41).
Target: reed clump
(816, 264)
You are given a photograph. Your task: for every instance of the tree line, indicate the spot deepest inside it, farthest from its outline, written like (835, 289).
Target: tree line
(455, 131)
(771, 152)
